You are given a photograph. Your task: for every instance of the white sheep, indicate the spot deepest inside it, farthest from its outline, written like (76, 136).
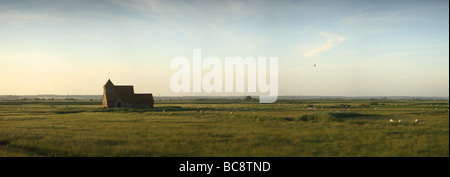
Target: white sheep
(417, 121)
(400, 121)
(392, 120)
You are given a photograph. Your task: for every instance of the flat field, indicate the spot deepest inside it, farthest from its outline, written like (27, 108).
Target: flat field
(334, 128)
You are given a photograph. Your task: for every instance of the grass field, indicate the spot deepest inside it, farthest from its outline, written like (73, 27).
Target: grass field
(226, 128)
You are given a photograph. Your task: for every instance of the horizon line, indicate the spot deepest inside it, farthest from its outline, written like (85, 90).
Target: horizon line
(226, 95)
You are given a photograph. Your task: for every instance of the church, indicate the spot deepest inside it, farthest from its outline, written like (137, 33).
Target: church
(123, 96)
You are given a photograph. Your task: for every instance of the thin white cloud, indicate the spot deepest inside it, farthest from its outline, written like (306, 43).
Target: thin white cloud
(365, 19)
(331, 41)
(17, 17)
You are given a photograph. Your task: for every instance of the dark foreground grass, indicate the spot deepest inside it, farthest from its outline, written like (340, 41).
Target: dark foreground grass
(305, 130)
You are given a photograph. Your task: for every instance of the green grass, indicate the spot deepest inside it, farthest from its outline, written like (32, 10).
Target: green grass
(318, 117)
(285, 129)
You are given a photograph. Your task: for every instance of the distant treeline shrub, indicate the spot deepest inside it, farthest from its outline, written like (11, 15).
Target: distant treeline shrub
(317, 117)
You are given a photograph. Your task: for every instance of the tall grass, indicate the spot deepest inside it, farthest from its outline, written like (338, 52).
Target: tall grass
(289, 129)
(318, 117)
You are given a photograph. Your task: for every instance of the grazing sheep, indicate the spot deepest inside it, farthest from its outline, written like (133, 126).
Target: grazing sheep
(416, 121)
(231, 113)
(392, 120)
(400, 121)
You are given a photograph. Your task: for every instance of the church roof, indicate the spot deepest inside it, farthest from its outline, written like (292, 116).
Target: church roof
(143, 98)
(109, 83)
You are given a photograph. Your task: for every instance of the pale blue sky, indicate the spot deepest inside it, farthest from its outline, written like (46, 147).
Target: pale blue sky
(361, 48)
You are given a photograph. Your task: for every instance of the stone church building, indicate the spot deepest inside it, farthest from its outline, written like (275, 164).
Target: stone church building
(123, 96)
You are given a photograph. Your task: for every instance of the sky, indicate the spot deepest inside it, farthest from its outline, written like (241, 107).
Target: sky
(360, 48)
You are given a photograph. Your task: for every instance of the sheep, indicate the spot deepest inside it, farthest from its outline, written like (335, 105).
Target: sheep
(416, 121)
(231, 113)
(391, 120)
(400, 121)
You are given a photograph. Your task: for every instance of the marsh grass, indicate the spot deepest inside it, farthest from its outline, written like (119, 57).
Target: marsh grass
(285, 129)
(318, 117)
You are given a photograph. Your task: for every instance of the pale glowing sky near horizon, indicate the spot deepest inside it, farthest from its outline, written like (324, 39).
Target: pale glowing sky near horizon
(361, 48)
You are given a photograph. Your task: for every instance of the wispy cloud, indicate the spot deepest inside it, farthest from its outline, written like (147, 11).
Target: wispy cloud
(379, 19)
(331, 41)
(364, 19)
(12, 16)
